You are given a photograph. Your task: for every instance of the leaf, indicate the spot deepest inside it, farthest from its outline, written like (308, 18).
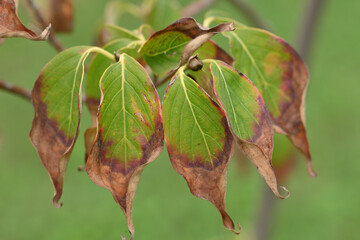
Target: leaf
(61, 16)
(160, 12)
(198, 140)
(220, 17)
(110, 32)
(163, 50)
(11, 26)
(146, 30)
(280, 75)
(115, 10)
(129, 132)
(203, 78)
(248, 118)
(89, 138)
(57, 100)
(197, 42)
(98, 65)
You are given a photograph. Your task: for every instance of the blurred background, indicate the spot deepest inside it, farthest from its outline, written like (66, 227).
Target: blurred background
(327, 207)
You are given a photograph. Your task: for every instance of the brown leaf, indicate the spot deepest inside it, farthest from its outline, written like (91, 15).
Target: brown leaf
(61, 16)
(89, 139)
(11, 26)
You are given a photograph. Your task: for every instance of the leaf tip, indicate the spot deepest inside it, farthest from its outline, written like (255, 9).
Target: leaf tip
(310, 169)
(56, 200)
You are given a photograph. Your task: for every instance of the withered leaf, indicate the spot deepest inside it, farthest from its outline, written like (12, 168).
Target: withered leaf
(61, 15)
(248, 118)
(57, 98)
(281, 77)
(11, 26)
(129, 132)
(198, 140)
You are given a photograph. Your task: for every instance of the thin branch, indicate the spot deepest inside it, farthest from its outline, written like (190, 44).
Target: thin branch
(249, 13)
(266, 214)
(195, 7)
(39, 17)
(19, 91)
(309, 22)
(306, 35)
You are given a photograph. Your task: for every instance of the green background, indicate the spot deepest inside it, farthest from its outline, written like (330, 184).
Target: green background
(327, 207)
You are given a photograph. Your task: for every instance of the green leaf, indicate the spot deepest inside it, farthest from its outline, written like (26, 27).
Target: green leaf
(280, 75)
(111, 32)
(160, 12)
(98, 65)
(216, 16)
(163, 50)
(57, 99)
(248, 118)
(198, 140)
(129, 131)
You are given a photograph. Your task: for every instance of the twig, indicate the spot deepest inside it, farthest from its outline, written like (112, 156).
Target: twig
(25, 94)
(305, 36)
(249, 13)
(52, 39)
(195, 7)
(265, 217)
(308, 26)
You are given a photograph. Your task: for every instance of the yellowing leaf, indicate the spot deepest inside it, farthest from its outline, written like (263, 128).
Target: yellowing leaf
(129, 132)
(57, 104)
(248, 118)
(198, 140)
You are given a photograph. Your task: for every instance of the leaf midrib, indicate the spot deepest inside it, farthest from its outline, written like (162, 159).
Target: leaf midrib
(193, 113)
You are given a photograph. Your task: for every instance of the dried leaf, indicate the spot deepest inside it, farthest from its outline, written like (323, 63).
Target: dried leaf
(61, 15)
(89, 139)
(198, 140)
(248, 118)
(282, 78)
(163, 50)
(129, 132)
(11, 26)
(57, 100)
(280, 75)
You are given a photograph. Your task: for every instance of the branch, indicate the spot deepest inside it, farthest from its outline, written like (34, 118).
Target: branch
(266, 214)
(194, 8)
(249, 13)
(19, 91)
(308, 26)
(39, 17)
